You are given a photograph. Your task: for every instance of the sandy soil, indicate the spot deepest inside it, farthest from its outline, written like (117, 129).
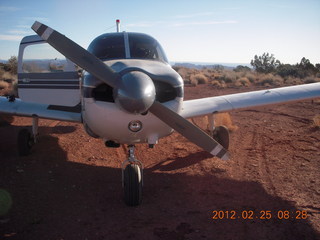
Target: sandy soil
(70, 186)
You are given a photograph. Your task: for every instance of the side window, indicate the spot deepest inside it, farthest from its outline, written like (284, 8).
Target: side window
(42, 58)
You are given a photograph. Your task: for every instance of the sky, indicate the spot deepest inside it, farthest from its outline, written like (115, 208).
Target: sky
(210, 31)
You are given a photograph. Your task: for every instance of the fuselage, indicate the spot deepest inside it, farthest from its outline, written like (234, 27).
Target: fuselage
(102, 115)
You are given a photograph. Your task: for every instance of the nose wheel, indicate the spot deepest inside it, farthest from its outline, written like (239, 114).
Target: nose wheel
(132, 179)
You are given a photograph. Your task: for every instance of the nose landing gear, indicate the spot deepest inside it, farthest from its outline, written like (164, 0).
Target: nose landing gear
(132, 179)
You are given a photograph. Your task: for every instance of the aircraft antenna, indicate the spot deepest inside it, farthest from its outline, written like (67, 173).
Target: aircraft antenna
(118, 25)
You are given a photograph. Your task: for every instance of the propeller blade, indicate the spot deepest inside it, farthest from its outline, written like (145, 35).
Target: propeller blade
(189, 130)
(77, 54)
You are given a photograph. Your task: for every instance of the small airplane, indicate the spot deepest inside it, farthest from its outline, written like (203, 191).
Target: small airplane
(128, 94)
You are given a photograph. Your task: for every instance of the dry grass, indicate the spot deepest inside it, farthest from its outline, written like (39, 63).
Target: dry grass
(225, 120)
(8, 76)
(311, 80)
(271, 80)
(4, 85)
(229, 76)
(218, 84)
(251, 77)
(222, 78)
(316, 121)
(293, 81)
(8, 83)
(200, 78)
(242, 82)
(194, 82)
(220, 119)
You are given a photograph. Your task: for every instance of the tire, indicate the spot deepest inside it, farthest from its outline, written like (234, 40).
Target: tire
(221, 135)
(24, 142)
(132, 185)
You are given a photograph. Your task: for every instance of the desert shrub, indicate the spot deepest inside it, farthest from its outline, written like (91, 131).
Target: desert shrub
(266, 63)
(218, 84)
(271, 80)
(4, 85)
(310, 80)
(8, 76)
(14, 88)
(241, 68)
(213, 76)
(200, 78)
(1, 72)
(182, 72)
(286, 70)
(251, 77)
(225, 120)
(218, 76)
(242, 82)
(13, 64)
(316, 121)
(229, 76)
(194, 82)
(293, 81)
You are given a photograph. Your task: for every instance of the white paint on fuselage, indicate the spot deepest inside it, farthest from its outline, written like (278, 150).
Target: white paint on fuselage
(110, 123)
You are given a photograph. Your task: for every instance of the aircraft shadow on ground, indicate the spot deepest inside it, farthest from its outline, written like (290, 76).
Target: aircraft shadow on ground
(54, 198)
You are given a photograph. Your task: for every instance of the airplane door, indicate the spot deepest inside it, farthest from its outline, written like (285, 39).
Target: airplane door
(46, 76)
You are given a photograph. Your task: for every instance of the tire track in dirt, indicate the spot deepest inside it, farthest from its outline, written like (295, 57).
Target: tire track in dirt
(251, 153)
(260, 144)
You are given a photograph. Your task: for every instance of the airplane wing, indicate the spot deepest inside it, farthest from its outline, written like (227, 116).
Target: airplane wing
(206, 106)
(28, 109)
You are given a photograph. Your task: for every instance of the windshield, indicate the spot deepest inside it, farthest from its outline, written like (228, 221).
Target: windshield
(139, 46)
(108, 46)
(145, 47)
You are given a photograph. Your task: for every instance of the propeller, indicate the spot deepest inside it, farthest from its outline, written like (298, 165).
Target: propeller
(133, 91)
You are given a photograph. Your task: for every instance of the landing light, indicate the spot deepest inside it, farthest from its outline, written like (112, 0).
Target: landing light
(135, 126)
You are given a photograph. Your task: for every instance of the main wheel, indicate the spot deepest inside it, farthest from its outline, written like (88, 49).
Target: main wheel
(221, 135)
(132, 185)
(25, 142)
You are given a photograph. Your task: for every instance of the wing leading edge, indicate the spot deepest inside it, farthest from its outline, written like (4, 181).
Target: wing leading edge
(206, 106)
(27, 109)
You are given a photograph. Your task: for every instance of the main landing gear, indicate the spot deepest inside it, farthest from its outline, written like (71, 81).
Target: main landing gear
(26, 139)
(132, 179)
(219, 133)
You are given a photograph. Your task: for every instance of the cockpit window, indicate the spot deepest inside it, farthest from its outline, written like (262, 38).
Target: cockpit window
(113, 46)
(145, 47)
(108, 46)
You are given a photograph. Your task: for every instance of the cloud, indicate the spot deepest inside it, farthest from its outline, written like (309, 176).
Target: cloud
(20, 32)
(141, 24)
(192, 15)
(40, 19)
(10, 38)
(23, 26)
(146, 24)
(204, 23)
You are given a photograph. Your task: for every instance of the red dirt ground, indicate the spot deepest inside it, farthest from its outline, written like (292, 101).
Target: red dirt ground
(70, 186)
